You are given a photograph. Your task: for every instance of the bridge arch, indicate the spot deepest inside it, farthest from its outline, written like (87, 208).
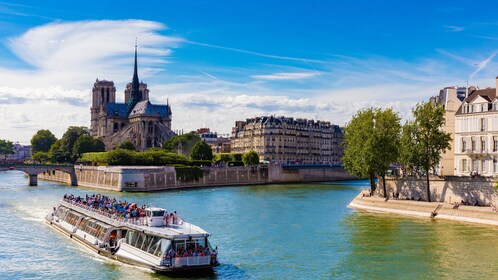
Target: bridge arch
(32, 170)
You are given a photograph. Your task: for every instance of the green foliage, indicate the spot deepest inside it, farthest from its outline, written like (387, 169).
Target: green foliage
(250, 158)
(148, 158)
(181, 144)
(423, 140)
(127, 145)
(226, 157)
(6, 147)
(188, 173)
(101, 158)
(199, 163)
(371, 141)
(201, 151)
(41, 157)
(57, 155)
(42, 141)
(87, 144)
(62, 150)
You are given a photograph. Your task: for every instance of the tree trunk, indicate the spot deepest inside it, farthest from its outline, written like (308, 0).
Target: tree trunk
(428, 186)
(384, 185)
(372, 183)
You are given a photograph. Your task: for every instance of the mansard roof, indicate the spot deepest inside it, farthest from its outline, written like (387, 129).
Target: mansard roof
(146, 108)
(488, 94)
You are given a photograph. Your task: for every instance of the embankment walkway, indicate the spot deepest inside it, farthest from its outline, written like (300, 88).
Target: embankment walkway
(472, 214)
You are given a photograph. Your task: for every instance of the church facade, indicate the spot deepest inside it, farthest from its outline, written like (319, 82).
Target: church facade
(137, 120)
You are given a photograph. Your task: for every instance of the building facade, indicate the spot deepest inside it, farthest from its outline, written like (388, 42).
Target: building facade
(137, 120)
(450, 98)
(476, 134)
(289, 140)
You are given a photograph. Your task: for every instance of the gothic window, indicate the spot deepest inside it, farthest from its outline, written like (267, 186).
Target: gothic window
(108, 94)
(122, 125)
(116, 126)
(102, 95)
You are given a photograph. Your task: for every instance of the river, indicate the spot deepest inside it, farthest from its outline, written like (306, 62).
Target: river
(262, 232)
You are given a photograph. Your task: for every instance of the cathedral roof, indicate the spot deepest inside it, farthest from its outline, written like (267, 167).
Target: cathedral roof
(117, 110)
(146, 108)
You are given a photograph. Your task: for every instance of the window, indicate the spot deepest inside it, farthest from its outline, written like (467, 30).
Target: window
(476, 166)
(483, 166)
(483, 145)
(495, 165)
(495, 144)
(483, 124)
(473, 145)
(465, 167)
(464, 145)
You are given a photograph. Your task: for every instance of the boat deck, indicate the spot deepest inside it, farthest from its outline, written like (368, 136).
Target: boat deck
(172, 230)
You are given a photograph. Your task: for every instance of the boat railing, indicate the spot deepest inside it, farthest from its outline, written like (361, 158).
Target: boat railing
(187, 261)
(138, 221)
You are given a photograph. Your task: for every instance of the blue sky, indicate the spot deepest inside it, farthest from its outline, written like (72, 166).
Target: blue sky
(221, 61)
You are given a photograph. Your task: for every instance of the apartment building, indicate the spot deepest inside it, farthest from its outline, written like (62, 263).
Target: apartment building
(289, 140)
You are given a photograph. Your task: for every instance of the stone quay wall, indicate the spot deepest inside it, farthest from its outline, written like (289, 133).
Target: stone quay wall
(448, 189)
(136, 178)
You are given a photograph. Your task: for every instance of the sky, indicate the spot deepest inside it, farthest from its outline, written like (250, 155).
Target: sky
(217, 62)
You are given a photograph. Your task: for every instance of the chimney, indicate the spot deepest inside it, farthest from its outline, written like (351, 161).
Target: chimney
(496, 88)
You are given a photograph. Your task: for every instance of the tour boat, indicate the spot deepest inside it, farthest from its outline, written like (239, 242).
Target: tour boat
(147, 241)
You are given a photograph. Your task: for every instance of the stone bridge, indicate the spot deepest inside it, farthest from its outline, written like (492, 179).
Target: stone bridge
(32, 170)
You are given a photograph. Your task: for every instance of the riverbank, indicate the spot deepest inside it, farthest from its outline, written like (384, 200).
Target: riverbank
(471, 214)
(159, 178)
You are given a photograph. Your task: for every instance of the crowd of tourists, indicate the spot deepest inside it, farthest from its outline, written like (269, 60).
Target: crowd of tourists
(116, 209)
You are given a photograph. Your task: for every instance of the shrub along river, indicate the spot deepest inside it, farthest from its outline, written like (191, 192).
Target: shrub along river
(273, 232)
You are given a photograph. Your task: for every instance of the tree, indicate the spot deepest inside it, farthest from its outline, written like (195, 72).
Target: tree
(371, 141)
(250, 158)
(42, 141)
(6, 148)
(57, 155)
(87, 144)
(387, 137)
(423, 140)
(358, 143)
(40, 157)
(62, 150)
(181, 144)
(201, 151)
(127, 145)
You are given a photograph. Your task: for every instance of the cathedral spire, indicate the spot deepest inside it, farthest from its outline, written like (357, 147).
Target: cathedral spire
(135, 71)
(136, 95)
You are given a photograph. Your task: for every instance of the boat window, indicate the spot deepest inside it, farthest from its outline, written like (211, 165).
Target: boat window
(146, 244)
(103, 232)
(163, 246)
(140, 240)
(83, 223)
(61, 212)
(157, 213)
(153, 245)
(131, 237)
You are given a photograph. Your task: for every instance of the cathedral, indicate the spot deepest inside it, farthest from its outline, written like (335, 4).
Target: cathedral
(137, 120)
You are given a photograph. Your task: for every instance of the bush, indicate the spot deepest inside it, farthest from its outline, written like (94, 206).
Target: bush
(200, 163)
(250, 158)
(227, 157)
(121, 157)
(101, 158)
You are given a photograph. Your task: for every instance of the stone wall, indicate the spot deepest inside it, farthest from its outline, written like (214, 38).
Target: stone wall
(136, 178)
(444, 189)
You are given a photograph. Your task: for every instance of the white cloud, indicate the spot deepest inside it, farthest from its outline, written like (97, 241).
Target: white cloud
(74, 53)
